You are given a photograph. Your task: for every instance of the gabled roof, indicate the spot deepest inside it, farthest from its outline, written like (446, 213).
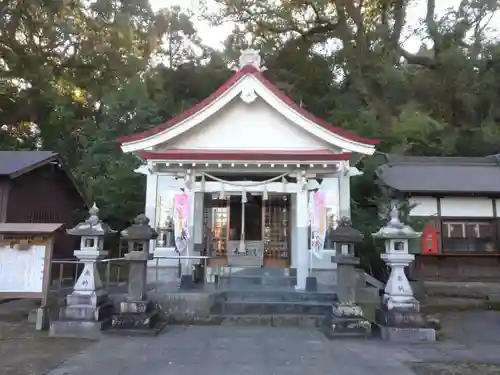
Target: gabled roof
(459, 175)
(14, 163)
(248, 78)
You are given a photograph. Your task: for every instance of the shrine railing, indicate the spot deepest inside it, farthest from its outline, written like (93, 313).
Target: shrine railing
(65, 272)
(114, 272)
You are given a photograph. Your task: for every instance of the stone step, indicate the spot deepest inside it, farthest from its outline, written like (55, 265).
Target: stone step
(281, 320)
(277, 296)
(272, 308)
(261, 271)
(253, 280)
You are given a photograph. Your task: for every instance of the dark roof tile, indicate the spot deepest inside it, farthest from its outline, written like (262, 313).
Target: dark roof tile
(441, 174)
(12, 162)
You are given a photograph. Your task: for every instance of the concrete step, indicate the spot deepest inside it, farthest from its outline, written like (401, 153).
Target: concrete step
(277, 296)
(261, 271)
(281, 320)
(236, 281)
(272, 308)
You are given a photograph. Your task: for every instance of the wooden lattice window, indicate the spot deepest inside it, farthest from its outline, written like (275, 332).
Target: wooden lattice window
(216, 224)
(276, 227)
(43, 217)
(468, 236)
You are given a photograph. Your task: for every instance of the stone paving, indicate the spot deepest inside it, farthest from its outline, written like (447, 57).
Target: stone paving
(237, 350)
(229, 350)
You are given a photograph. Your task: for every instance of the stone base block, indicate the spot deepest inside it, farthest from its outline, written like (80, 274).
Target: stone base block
(354, 326)
(146, 320)
(86, 312)
(135, 307)
(78, 328)
(152, 331)
(86, 299)
(400, 318)
(408, 334)
(311, 284)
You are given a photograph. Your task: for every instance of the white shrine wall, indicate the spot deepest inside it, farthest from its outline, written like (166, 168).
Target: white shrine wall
(240, 126)
(159, 205)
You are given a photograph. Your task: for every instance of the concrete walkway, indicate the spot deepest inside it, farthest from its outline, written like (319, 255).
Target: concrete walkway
(226, 350)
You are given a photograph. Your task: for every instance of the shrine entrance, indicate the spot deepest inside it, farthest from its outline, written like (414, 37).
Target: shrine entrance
(263, 225)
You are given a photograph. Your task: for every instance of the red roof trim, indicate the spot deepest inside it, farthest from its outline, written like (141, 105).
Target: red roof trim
(271, 155)
(246, 70)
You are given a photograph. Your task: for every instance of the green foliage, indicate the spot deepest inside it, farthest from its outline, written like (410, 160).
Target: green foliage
(76, 75)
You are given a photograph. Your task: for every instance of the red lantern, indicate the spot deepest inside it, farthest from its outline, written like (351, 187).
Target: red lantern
(428, 241)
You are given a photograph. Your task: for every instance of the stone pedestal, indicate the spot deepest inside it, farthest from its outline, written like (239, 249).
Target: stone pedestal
(87, 309)
(137, 315)
(403, 325)
(347, 318)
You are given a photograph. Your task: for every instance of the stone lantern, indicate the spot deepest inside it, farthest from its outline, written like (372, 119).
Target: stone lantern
(87, 309)
(399, 316)
(345, 238)
(137, 313)
(138, 237)
(92, 232)
(347, 316)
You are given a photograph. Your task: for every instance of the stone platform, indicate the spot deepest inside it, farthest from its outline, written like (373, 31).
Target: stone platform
(403, 325)
(136, 318)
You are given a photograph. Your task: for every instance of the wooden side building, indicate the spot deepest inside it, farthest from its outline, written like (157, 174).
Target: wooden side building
(37, 187)
(459, 199)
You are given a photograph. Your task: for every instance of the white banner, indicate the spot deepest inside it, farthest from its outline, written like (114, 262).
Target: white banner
(318, 223)
(181, 212)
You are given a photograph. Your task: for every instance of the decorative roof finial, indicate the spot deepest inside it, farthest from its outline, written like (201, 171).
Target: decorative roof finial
(394, 215)
(94, 210)
(92, 226)
(251, 57)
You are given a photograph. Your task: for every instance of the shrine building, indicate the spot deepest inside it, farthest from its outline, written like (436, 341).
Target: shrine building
(248, 158)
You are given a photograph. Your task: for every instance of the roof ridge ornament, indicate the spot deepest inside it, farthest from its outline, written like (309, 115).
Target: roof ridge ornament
(250, 56)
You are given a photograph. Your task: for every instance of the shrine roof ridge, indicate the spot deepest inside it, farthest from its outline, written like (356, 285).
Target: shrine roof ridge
(247, 70)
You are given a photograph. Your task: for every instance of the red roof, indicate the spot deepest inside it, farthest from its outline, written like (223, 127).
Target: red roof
(246, 70)
(261, 155)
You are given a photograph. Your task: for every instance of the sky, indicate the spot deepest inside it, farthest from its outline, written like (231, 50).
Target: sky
(215, 35)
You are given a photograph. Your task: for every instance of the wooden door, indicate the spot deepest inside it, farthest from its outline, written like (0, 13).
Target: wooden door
(276, 230)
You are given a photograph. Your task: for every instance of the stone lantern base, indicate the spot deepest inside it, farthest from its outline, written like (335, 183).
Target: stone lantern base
(137, 315)
(84, 316)
(347, 317)
(403, 325)
(347, 320)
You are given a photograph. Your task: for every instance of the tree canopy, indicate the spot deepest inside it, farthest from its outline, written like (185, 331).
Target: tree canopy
(75, 75)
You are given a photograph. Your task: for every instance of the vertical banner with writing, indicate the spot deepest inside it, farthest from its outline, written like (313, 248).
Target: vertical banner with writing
(318, 223)
(181, 212)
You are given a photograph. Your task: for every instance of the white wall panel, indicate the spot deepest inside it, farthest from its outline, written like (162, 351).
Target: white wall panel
(466, 207)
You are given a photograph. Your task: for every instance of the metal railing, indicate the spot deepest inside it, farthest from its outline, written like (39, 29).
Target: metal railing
(65, 273)
(112, 271)
(180, 258)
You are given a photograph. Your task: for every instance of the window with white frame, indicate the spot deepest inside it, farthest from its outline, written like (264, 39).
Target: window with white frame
(165, 195)
(468, 236)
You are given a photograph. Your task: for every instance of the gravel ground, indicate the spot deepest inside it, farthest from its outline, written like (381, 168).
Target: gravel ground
(25, 351)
